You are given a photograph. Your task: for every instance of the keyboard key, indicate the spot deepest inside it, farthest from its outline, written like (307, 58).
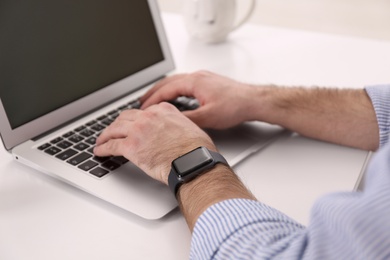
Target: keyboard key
(81, 146)
(120, 159)
(52, 150)
(88, 165)
(99, 172)
(79, 158)
(101, 159)
(114, 116)
(66, 154)
(56, 140)
(113, 112)
(110, 165)
(98, 127)
(185, 103)
(80, 128)
(87, 132)
(121, 108)
(91, 123)
(135, 104)
(68, 134)
(91, 149)
(107, 121)
(76, 138)
(44, 146)
(64, 144)
(91, 140)
(101, 118)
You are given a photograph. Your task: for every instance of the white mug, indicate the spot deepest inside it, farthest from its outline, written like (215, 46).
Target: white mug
(212, 20)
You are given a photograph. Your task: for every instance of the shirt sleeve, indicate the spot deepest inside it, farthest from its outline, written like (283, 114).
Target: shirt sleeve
(346, 225)
(380, 98)
(244, 229)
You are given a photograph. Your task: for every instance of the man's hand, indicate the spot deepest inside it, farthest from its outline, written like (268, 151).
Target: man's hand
(223, 102)
(152, 138)
(341, 116)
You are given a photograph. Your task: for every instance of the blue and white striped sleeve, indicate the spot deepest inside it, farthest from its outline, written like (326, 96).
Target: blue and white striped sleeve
(380, 98)
(347, 225)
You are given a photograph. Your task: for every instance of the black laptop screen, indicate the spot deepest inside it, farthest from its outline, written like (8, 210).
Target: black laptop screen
(55, 52)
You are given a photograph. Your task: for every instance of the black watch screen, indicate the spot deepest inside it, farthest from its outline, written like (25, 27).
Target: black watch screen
(192, 161)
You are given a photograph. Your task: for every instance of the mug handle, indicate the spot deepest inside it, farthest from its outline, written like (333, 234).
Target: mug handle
(247, 16)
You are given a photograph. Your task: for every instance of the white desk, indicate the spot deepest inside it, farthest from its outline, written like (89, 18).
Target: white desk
(42, 218)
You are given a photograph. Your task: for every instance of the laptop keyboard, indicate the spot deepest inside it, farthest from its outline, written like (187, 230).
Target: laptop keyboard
(76, 146)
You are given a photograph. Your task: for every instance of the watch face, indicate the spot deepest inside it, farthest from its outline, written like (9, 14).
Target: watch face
(192, 161)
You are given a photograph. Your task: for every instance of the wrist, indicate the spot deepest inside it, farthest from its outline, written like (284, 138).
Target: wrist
(218, 184)
(180, 151)
(272, 104)
(257, 106)
(191, 165)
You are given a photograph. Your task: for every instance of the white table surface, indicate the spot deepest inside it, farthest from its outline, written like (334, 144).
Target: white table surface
(43, 218)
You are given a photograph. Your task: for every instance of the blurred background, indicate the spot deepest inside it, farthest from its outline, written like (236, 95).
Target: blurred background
(360, 18)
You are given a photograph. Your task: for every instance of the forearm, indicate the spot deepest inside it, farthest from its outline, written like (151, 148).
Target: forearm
(341, 116)
(216, 185)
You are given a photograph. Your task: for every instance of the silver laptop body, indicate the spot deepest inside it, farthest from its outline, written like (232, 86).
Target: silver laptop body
(65, 64)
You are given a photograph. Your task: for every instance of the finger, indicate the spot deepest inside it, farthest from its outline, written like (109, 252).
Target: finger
(114, 147)
(208, 116)
(199, 116)
(191, 115)
(176, 88)
(117, 130)
(161, 84)
(205, 122)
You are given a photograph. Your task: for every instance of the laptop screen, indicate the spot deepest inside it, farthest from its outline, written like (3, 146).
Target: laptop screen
(55, 52)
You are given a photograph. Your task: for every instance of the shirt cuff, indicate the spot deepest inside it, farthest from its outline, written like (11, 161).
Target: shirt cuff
(238, 226)
(380, 98)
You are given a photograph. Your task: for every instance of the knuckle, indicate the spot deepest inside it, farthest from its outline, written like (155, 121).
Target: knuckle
(111, 147)
(140, 127)
(150, 113)
(167, 106)
(117, 124)
(159, 109)
(201, 73)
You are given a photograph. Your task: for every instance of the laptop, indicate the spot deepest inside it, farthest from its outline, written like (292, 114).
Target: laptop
(67, 69)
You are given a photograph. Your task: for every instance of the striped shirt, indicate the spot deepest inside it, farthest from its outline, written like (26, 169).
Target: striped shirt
(346, 225)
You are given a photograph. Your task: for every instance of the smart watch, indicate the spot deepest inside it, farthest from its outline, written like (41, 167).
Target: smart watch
(190, 165)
